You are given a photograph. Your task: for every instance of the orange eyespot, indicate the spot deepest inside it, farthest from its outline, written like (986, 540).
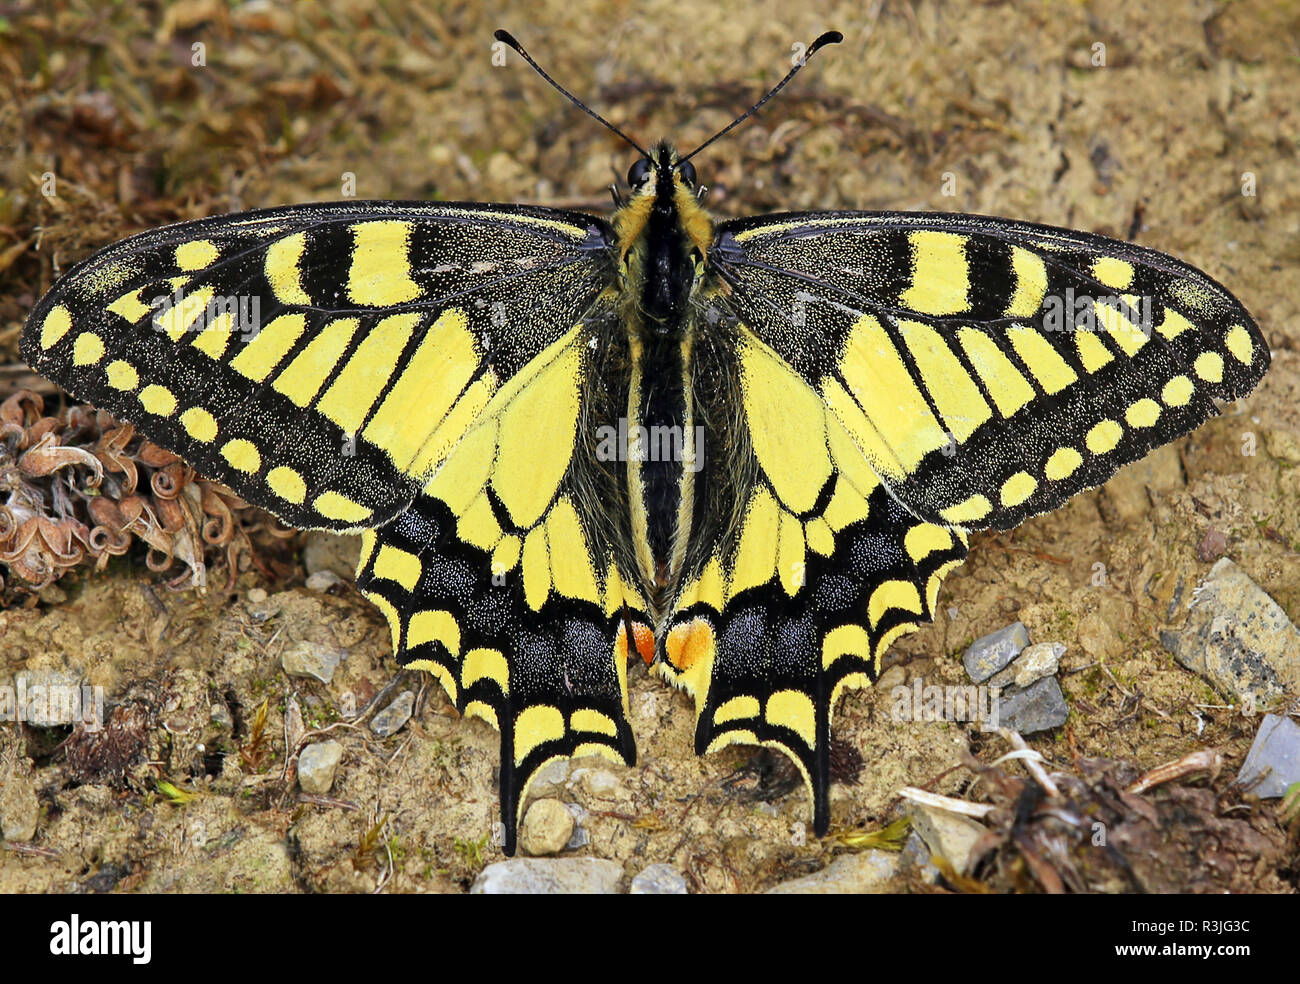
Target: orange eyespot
(688, 643)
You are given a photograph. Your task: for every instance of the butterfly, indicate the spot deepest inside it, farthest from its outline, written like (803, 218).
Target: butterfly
(745, 452)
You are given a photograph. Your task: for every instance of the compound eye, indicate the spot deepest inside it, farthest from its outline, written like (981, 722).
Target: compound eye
(687, 170)
(639, 171)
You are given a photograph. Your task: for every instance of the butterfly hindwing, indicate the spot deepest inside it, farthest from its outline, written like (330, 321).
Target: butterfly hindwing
(802, 567)
(285, 352)
(507, 577)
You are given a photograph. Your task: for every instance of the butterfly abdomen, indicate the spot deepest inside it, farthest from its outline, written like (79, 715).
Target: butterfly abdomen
(661, 454)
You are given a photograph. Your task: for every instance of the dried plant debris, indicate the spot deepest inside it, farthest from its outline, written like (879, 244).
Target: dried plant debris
(1099, 834)
(80, 488)
(107, 753)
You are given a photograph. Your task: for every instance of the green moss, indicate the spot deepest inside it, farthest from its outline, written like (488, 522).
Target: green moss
(471, 851)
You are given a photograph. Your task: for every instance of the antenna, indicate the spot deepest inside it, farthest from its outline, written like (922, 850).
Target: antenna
(830, 37)
(505, 37)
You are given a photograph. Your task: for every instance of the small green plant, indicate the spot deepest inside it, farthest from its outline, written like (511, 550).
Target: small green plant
(173, 794)
(471, 850)
(1291, 803)
(888, 838)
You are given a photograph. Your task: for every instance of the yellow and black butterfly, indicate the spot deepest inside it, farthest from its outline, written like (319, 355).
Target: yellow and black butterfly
(746, 451)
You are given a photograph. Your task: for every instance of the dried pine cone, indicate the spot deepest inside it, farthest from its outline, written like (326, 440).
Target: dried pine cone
(82, 487)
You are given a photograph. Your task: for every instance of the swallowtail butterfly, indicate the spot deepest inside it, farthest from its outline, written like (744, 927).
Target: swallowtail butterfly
(746, 452)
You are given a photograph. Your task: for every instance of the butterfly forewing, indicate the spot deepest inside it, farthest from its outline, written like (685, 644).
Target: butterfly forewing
(988, 370)
(320, 360)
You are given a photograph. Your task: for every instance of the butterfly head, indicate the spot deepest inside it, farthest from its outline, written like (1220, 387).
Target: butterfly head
(658, 172)
(663, 232)
(663, 196)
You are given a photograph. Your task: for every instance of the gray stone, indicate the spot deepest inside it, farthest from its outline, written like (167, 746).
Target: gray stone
(391, 719)
(546, 829)
(549, 876)
(307, 659)
(1275, 755)
(915, 860)
(1238, 638)
(950, 836)
(992, 652)
(1042, 659)
(580, 837)
(1038, 707)
(323, 581)
(658, 879)
(19, 809)
(550, 778)
(863, 873)
(317, 764)
(260, 606)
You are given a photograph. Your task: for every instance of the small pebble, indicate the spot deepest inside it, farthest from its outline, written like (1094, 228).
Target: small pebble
(598, 783)
(390, 720)
(549, 876)
(1275, 754)
(257, 595)
(323, 581)
(1038, 707)
(19, 809)
(580, 836)
(1042, 659)
(947, 835)
(546, 829)
(863, 872)
(1239, 638)
(1212, 546)
(992, 652)
(317, 764)
(658, 879)
(305, 659)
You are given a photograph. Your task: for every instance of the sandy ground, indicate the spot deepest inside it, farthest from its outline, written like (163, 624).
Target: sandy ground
(992, 108)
